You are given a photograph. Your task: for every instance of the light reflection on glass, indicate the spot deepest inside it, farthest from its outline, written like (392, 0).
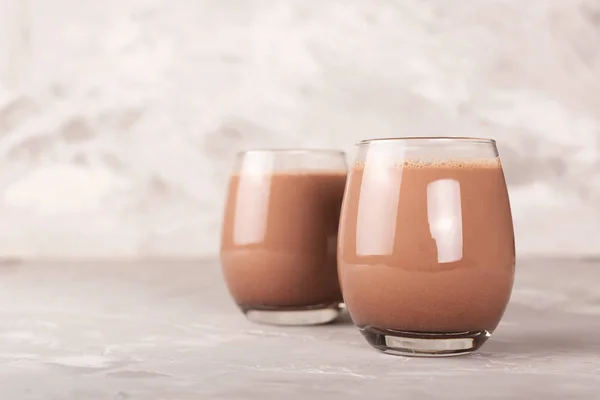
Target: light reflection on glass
(378, 203)
(252, 202)
(444, 215)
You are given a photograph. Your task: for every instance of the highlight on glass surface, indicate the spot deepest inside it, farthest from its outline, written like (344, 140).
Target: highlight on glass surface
(426, 246)
(278, 247)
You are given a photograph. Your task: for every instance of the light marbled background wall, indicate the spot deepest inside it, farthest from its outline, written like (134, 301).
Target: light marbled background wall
(119, 118)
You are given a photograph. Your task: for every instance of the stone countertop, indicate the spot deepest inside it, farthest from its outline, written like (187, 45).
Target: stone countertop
(167, 330)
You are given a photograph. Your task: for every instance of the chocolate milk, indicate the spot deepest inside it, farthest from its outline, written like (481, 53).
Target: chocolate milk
(278, 247)
(427, 247)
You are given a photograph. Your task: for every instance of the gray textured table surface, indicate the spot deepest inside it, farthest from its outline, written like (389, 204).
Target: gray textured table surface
(167, 330)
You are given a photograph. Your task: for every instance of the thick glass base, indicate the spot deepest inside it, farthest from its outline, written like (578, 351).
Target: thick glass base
(422, 344)
(293, 316)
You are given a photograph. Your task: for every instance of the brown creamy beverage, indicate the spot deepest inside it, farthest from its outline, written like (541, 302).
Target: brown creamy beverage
(279, 239)
(426, 247)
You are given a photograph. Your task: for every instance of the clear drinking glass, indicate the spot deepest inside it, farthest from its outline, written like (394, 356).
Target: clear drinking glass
(426, 246)
(278, 247)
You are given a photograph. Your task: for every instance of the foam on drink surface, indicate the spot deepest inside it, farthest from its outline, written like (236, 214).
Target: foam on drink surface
(459, 163)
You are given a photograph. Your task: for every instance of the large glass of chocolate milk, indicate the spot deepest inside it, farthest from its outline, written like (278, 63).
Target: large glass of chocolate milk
(278, 247)
(426, 250)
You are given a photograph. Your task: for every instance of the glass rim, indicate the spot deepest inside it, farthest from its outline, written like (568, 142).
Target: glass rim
(292, 151)
(429, 139)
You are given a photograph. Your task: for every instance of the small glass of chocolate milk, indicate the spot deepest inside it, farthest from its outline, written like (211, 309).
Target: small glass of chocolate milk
(426, 247)
(278, 245)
